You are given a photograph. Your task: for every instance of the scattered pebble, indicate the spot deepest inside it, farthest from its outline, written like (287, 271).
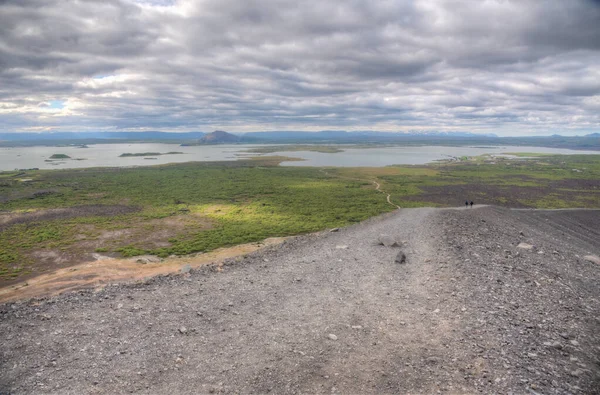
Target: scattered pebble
(186, 269)
(592, 258)
(576, 373)
(525, 246)
(400, 258)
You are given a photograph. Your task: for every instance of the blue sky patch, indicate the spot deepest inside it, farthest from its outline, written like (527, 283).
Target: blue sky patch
(59, 104)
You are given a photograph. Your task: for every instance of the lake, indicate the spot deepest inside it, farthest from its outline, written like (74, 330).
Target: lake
(107, 155)
(408, 155)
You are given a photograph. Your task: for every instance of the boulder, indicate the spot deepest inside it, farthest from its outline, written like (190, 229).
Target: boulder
(147, 259)
(400, 258)
(387, 241)
(186, 269)
(525, 246)
(592, 258)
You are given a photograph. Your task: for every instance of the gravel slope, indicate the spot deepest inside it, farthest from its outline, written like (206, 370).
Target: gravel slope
(468, 312)
(537, 308)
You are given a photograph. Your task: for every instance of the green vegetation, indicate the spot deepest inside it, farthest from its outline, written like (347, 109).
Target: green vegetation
(243, 201)
(545, 182)
(60, 156)
(194, 207)
(527, 154)
(129, 154)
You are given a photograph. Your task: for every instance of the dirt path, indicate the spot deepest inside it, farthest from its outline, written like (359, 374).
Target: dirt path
(333, 313)
(377, 186)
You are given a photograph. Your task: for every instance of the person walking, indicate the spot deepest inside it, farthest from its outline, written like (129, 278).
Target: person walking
(466, 203)
(471, 204)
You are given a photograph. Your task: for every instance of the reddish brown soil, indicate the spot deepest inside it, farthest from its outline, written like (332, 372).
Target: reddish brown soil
(145, 234)
(105, 270)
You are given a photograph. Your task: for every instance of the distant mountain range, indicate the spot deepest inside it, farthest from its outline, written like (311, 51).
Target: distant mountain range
(219, 136)
(222, 136)
(325, 136)
(334, 135)
(151, 135)
(590, 141)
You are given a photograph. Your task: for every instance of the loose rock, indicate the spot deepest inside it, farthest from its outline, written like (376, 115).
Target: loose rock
(400, 258)
(388, 241)
(593, 259)
(144, 259)
(186, 269)
(525, 246)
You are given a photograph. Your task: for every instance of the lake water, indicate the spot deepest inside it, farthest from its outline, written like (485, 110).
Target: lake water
(107, 155)
(378, 157)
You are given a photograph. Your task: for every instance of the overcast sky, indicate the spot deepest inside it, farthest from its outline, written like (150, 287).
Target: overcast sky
(511, 67)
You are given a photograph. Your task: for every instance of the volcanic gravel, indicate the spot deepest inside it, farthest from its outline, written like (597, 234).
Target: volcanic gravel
(487, 300)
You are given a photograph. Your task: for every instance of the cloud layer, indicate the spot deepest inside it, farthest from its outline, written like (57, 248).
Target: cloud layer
(505, 66)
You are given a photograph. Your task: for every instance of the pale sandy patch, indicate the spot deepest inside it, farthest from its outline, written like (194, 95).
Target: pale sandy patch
(106, 270)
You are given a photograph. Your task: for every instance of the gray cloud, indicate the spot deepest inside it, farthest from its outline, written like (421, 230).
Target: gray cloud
(504, 66)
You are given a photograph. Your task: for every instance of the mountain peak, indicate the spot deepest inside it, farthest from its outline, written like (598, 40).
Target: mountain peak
(219, 137)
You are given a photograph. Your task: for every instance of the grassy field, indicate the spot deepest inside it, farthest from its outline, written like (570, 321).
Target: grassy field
(58, 218)
(214, 205)
(562, 181)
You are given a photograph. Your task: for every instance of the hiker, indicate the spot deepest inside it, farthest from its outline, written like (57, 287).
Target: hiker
(471, 204)
(467, 203)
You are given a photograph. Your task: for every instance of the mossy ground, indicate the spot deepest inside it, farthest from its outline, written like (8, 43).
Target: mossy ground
(227, 203)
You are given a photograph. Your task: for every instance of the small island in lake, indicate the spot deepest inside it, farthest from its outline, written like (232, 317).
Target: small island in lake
(129, 154)
(58, 158)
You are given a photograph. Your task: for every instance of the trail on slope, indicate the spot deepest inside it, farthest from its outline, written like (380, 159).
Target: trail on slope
(469, 312)
(377, 186)
(325, 313)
